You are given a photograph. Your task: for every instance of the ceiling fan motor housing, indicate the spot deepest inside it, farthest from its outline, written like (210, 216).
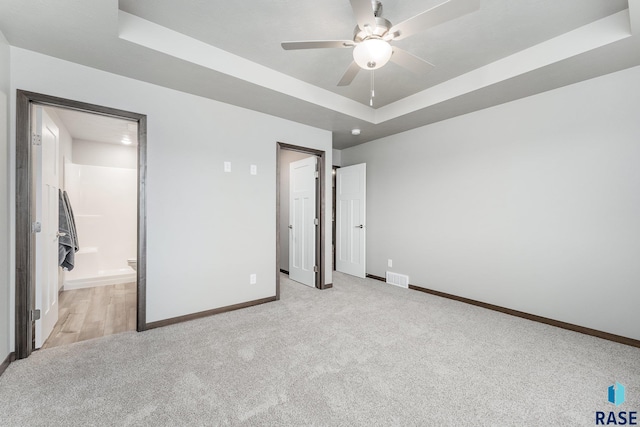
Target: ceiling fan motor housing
(381, 28)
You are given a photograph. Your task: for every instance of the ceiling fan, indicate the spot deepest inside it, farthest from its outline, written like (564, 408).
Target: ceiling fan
(373, 36)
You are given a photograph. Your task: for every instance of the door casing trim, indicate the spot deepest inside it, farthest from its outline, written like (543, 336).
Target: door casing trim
(25, 240)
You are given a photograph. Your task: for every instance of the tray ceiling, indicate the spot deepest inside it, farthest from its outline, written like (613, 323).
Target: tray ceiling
(230, 51)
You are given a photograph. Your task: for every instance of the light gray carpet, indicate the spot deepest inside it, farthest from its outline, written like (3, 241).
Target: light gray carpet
(362, 353)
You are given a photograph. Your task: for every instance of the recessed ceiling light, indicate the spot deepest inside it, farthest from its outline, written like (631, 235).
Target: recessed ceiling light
(355, 132)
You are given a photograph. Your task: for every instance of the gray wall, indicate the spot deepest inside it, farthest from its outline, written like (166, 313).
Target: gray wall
(207, 230)
(337, 157)
(532, 205)
(286, 157)
(5, 301)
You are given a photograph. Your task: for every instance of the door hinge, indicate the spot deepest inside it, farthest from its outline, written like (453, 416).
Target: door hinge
(36, 227)
(315, 268)
(36, 139)
(35, 315)
(315, 221)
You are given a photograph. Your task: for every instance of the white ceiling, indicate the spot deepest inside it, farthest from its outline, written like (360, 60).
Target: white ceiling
(96, 127)
(506, 50)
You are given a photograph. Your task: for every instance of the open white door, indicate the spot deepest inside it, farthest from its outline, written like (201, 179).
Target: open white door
(46, 175)
(302, 221)
(351, 220)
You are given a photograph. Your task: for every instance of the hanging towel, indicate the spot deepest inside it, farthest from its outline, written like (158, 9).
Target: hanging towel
(67, 240)
(74, 230)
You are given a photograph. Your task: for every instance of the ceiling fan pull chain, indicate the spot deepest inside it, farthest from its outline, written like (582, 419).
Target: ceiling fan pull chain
(373, 92)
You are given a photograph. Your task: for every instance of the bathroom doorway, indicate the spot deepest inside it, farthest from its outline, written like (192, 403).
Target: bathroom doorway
(98, 163)
(84, 181)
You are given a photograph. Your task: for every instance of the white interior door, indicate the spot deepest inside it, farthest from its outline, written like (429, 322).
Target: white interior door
(351, 220)
(302, 218)
(46, 180)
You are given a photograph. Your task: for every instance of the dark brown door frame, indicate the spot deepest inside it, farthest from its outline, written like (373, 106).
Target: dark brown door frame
(25, 240)
(334, 172)
(320, 208)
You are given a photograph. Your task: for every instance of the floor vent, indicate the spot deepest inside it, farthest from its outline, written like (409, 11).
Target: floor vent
(398, 279)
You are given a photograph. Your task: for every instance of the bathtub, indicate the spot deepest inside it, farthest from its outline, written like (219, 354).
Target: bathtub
(87, 272)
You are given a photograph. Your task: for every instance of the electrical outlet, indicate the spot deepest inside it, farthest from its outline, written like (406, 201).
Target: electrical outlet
(389, 263)
(227, 166)
(252, 279)
(254, 170)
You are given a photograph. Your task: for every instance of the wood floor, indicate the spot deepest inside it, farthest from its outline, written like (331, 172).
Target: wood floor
(94, 312)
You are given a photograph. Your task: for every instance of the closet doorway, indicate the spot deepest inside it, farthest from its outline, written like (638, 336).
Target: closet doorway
(300, 203)
(80, 236)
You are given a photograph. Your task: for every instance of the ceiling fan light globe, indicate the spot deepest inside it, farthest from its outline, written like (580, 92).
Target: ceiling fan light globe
(372, 54)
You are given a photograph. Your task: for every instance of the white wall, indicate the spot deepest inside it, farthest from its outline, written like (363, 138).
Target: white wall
(286, 157)
(207, 230)
(5, 241)
(103, 154)
(532, 205)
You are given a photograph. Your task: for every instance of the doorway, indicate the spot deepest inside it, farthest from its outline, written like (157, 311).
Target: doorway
(96, 290)
(292, 160)
(34, 309)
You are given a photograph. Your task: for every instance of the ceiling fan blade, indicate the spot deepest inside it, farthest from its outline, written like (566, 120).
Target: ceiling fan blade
(410, 61)
(444, 12)
(349, 75)
(363, 10)
(317, 44)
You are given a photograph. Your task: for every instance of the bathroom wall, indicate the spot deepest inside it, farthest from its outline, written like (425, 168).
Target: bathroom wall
(286, 157)
(103, 154)
(104, 200)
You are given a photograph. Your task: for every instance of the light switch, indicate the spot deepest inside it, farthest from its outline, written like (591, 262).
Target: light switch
(254, 169)
(252, 279)
(227, 166)
(389, 263)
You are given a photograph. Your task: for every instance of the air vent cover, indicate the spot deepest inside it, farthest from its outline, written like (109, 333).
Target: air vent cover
(396, 279)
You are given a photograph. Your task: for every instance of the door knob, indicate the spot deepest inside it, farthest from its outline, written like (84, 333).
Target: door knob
(58, 234)
(360, 226)
(291, 227)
